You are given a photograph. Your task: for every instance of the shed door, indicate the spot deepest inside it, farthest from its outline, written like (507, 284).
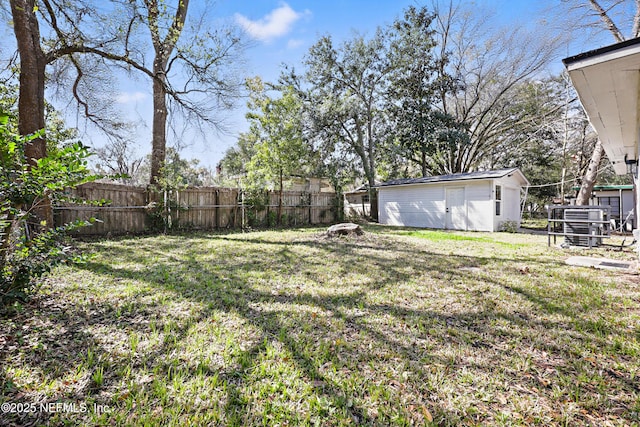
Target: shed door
(456, 212)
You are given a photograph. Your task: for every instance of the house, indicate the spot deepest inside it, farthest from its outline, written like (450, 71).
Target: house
(619, 198)
(476, 201)
(608, 84)
(356, 202)
(309, 184)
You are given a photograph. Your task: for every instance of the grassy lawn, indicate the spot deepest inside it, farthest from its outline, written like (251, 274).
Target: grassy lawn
(397, 327)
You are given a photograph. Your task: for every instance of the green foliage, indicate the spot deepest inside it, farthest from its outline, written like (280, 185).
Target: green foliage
(176, 175)
(29, 259)
(30, 249)
(276, 126)
(422, 133)
(347, 86)
(256, 198)
(233, 165)
(509, 226)
(280, 150)
(161, 212)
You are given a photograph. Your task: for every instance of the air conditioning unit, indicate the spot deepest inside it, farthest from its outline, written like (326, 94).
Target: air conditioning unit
(582, 227)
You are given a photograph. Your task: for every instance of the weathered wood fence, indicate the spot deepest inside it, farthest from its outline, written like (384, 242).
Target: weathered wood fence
(136, 210)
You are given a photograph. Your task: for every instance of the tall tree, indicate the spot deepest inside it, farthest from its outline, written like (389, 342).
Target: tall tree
(50, 37)
(192, 69)
(276, 126)
(548, 138)
(35, 53)
(488, 63)
(32, 76)
(348, 84)
(163, 47)
(197, 77)
(423, 132)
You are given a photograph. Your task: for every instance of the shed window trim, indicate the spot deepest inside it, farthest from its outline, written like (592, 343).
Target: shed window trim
(498, 200)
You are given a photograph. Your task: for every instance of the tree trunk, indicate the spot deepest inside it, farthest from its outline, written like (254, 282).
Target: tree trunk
(32, 67)
(279, 219)
(31, 96)
(163, 49)
(590, 176)
(159, 129)
(373, 200)
(423, 163)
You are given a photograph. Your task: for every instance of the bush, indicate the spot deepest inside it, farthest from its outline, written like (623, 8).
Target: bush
(29, 247)
(509, 227)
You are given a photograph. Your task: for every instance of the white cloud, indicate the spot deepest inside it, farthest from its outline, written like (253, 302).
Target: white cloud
(130, 97)
(274, 24)
(294, 43)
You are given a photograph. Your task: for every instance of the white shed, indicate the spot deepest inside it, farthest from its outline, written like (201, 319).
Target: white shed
(475, 201)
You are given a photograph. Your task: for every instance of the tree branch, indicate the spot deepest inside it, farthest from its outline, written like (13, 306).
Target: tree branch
(611, 26)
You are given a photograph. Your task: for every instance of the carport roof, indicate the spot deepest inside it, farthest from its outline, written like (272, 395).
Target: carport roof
(494, 174)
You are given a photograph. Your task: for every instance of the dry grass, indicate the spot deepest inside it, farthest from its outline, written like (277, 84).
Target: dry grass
(398, 327)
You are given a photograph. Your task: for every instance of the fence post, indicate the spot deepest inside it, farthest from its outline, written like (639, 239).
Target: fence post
(127, 211)
(217, 208)
(235, 209)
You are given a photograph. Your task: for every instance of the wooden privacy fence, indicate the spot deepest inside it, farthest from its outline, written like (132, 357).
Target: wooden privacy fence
(135, 209)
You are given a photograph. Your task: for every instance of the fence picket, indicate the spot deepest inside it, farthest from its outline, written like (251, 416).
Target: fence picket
(202, 208)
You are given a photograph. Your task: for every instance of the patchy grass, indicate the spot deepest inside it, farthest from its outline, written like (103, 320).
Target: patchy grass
(397, 327)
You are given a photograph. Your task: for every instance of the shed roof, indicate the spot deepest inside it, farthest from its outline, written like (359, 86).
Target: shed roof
(364, 188)
(494, 174)
(609, 187)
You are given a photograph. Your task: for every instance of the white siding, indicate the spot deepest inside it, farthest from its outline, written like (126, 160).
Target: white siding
(510, 202)
(424, 205)
(480, 209)
(512, 205)
(412, 206)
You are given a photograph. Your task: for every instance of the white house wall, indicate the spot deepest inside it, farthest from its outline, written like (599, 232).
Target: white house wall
(511, 208)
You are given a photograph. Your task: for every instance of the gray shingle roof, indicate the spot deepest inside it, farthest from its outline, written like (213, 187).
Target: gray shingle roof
(452, 177)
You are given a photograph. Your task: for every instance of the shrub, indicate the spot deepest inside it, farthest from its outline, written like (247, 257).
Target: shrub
(29, 248)
(509, 226)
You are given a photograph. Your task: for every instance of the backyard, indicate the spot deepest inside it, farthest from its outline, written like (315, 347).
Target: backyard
(395, 327)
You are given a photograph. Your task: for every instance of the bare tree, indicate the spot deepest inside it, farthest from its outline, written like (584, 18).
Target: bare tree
(197, 77)
(489, 65)
(36, 53)
(118, 159)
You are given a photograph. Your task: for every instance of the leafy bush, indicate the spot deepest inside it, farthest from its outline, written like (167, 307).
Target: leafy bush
(509, 227)
(162, 212)
(28, 246)
(272, 219)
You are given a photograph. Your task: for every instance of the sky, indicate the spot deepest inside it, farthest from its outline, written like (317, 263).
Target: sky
(282, 32)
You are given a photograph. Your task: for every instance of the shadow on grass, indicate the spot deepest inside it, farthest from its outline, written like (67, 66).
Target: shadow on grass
(325, 342)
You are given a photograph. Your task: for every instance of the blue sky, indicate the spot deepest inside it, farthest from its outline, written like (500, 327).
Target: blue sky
(282, 32)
